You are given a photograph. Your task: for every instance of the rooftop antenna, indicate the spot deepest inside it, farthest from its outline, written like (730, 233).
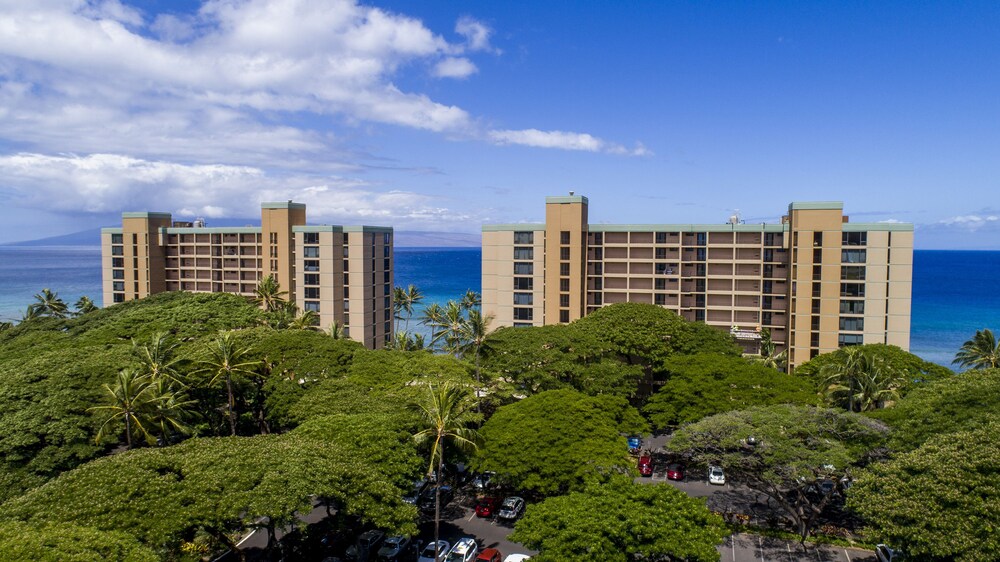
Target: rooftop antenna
(735, 217)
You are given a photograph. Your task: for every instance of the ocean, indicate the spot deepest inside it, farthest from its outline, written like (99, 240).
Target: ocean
(953, 291)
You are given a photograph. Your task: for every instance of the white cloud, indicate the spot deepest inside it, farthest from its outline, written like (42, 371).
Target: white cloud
(455, 67)
(563, 140)
(970, 222)
(476, 33)
(102, 183)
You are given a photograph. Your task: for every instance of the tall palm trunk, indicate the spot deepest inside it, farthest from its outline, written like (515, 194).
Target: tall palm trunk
(128, 431)
(437, 500)
(232, 412)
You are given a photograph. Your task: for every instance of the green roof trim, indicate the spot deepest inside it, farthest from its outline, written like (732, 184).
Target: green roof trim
(317, 228)
(519, 227)
(145, 215)
(878, 226)
(689, 227)
(566, 199)
(816, 206)
(282, 205)
(365, 228)
(211, 230)
(112, 230)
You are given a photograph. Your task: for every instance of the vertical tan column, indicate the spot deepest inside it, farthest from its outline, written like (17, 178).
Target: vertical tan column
(276, 222)
(144, 255)
(815, 232)
(565, 229)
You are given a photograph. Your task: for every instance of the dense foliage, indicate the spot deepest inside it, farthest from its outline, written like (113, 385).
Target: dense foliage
(622, 521)
(914, 370)
(708, 383)
(939, 502)
(66, 542)
(558, 441)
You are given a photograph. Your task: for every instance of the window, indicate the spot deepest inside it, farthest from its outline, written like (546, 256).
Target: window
(699, 316)
(854, 239)
(661, 237)
(699, 302)
(660, 299)
(818, 255)
(118, 286)
(852, 324)
(853, 256)
(564, 253)
(598, 238)
(117, 251)
(385, 289)
(564, 316)
(768, 255)
(700, 254)
(385, 277)
(346, 251)
(662, 269)
(386, 238)
(564, 237)
(118, 297)
(118, 274)
(523, 314)
(312, 292)
(597, 298)
(524, 269)
(815, 323)
(117, 262)
(524, 284)
(598, 254)
(844, 340)
(564, 269)
(659, 284)
(769, 239)
(385, 264)
(596, 269)
(310, 251)
(661, 253)
(524, 299)
(116, 239)
(817, 238)
(852, 289)
(817, 273)
(564, 300)
(311, 265)
(700, 239)
(524, 253)
(564, 284)
(814, 340)
(347, 307)
(852, 307)
(310, 238)
(524, 237)
(346, 265)
(522, 325)
(852, 273)
(311, 279)
(311, 305)
(598, 284)
(699, 270)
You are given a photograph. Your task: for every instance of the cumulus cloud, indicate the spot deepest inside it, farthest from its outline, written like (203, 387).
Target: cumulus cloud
(563, 140)
(102, 183)
(476, 33)
(455, 67)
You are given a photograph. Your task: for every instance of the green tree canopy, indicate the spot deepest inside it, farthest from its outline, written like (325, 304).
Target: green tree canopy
(542, 358)
(66, 542)
(980, 352)
(709, 383)
(621, 521)
(963, 402)
(557, 441)
(940, 501)
(915, 370)
(781, 451)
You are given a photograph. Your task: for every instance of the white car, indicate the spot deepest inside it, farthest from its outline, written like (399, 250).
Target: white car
(516, 558)
(427, 555)
(465, 550)
(716, 476)
(511, 508)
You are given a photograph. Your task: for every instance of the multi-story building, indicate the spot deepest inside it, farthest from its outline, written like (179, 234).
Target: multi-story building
(343, 273)
(816, 281)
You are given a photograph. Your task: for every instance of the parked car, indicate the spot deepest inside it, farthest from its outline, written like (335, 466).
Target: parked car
(487, 507)
(489, 555)
(675, 471)
(465, 550)
(511, 508)
(483, 481)
(427, 500)
(634, 444)
(442, 548)
(418, 488)
(396, 548)
(716, 475)
(886, 554)
(366, 546)
(646, 465)
(516, 558)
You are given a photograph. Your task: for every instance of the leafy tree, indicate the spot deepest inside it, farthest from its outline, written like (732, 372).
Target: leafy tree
(227, 359)
(558, 441)
(622, 521)
(268, 294)
(914, 370)
(980, 352)
(66, 542)
(940, 501)
(4, 326)
(544, 358)
(782, 451)
(84, 305)
(960, 403)
(708, 383)
(445, 418)
(130, 401)
(49, 304)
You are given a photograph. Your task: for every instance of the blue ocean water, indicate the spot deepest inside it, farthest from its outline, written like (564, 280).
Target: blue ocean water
(953, 291)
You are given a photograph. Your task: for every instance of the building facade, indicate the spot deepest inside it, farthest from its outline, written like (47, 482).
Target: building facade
(816, 281)
(343, 273)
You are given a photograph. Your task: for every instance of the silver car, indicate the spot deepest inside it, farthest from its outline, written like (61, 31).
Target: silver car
(427, 555)
(511, 508)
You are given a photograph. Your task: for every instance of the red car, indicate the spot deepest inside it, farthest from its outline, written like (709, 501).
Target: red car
(489, 555)
(487, 507)
(646, 465)
(675, 472)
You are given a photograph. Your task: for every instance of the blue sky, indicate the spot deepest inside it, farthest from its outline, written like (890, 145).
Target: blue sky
(442, 116)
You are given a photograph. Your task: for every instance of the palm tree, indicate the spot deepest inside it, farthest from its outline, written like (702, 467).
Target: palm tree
(268, 294)
(49, 304)
(84, 305)
(445, 417)
(169, 407)
(474, 333)
(227, 359)
(471, 300)
(865, 379)
(403, 300)
(306, 320)
(981, 352)
(337, 331)
(452, 325)
(432, 316)
(32, 312)
(842, 376)
(4, 326)
(130, 400)
(768, 357)
(156, 358)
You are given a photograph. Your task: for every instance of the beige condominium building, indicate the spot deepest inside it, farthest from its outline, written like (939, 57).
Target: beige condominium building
(343, 273)
(815, 280)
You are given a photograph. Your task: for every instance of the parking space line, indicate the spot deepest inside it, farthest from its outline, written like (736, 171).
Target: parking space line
(732, 545)
(847, 555)
(760, 544)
